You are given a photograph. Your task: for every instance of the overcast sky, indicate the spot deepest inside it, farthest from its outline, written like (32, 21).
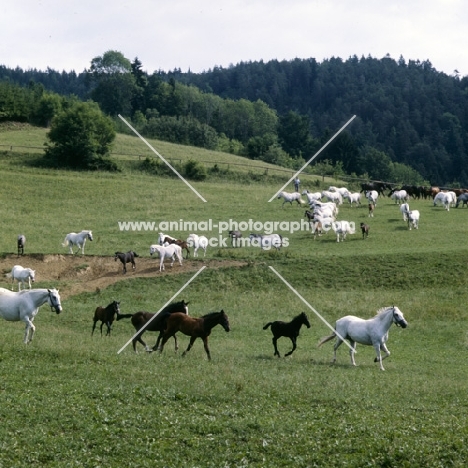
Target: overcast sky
(201, 34)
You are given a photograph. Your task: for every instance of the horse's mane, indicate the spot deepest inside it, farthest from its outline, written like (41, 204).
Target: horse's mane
(383, 309)
(211, 314)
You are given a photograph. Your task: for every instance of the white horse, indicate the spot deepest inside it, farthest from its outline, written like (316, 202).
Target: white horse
(318, 205)
(373, 332)
(353, 198)
(311, 197)
(163, 236)
(334, 197)
(77, 239)
(24, 306)
(445, 198)
(170, 251)
(21, 275)
(372, 196)
(197, 242)
(342, 229)
(404, 208)
(290, 197)
(266, 241)
(399, 196)
(343, 191)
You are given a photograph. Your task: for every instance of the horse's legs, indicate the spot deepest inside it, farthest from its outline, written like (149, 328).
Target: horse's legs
(102, 324)
(293, 339)
(352, 351)
(379, 357)
(109, 327)
(274, 340)
(335, 347)
(205, 344)
(192, 340)
(94, 326)
(29, 332)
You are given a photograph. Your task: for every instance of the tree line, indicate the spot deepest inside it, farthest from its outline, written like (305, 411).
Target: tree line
(411, 123)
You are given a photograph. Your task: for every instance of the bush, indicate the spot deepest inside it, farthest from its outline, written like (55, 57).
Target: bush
(194, 170)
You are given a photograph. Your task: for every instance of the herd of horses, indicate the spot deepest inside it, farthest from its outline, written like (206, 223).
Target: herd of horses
(24, 304)
(175, 318)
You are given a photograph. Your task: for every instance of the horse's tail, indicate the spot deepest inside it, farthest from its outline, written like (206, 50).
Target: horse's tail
(327, 338)
(65, 242)
(267, 325)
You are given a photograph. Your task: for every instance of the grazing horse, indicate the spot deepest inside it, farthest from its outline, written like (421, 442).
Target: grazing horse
(289, 329)
(372, 196)
(78, 240)
(24, 306)
(445, 198)
(290, 198)
(365, 230)
(147, 321)
(194, 327)
(106, 315)
(353, 198)
(373, 332)
(128, 257)
(170, 251)
(399, 196)
(21, 275)
(235, 236)
(197, 242)
(21, 241)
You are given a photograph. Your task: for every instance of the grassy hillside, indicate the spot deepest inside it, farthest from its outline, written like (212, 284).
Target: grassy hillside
(72, 400)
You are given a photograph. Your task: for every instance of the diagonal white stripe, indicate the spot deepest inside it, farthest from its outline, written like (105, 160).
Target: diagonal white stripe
(166, 304)
(311, 308)
(312, 158)
(162, 159)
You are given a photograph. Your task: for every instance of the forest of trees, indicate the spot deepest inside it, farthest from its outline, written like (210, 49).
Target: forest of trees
(409, 115)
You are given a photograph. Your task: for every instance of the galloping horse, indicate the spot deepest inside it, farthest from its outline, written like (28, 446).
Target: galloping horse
(106, 315)
(128, 257)
(367, 332)
(291, 197)
(158, 323)
(78, 240)
(194, 327)
(21, 275)
(171, 251)
(21, 241)
(289, 329)
(24, 306)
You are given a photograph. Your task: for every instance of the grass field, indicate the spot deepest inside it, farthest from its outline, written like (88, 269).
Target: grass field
(69, 399)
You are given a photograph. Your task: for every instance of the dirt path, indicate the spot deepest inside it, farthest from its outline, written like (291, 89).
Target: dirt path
(87, 273)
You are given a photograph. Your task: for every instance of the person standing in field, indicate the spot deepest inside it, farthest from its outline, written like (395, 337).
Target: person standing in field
(297, 182)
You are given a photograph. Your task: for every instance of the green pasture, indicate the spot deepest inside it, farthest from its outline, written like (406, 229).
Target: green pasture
(69, 399)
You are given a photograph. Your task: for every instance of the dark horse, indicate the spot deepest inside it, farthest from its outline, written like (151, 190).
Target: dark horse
(158, 323)
(181, 243)
(235, 236)
(128, 257)
(289, 329)
(195, 328)
(21, 242)
(106, 315)
(379, 187)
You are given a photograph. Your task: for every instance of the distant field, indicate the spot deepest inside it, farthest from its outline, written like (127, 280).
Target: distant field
(68, 399)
